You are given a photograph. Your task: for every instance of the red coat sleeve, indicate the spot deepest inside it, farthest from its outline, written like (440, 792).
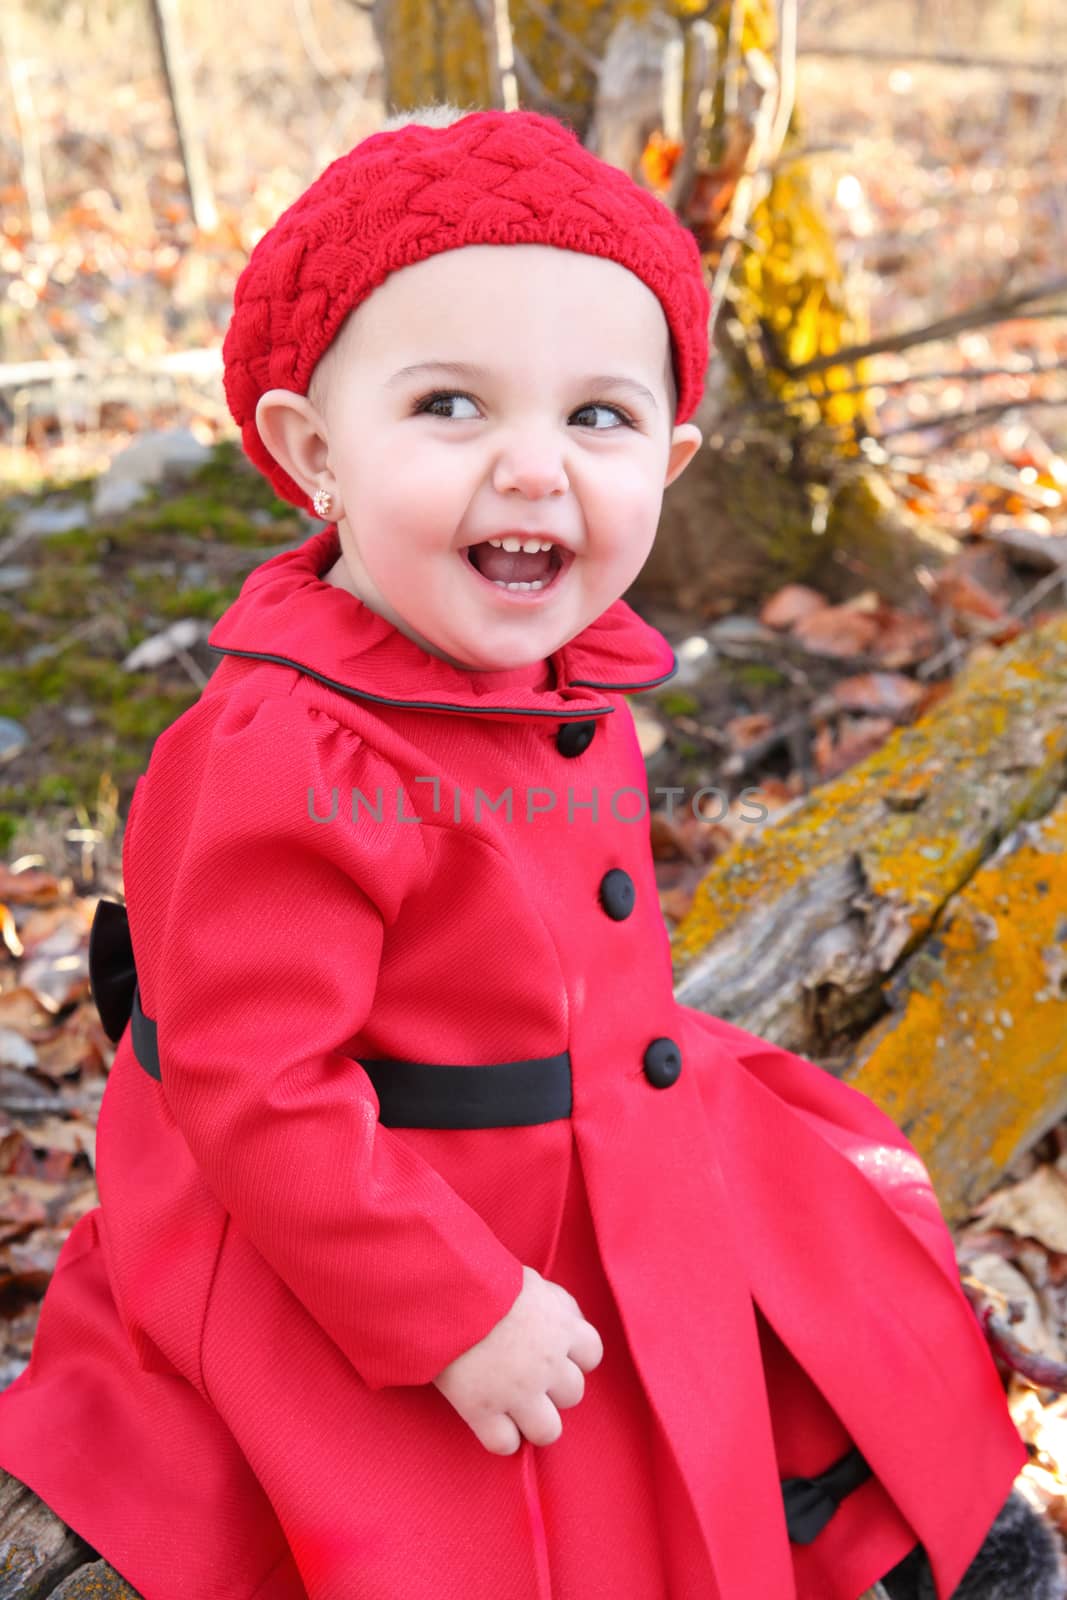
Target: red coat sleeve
(853, 1123)
(267, 963)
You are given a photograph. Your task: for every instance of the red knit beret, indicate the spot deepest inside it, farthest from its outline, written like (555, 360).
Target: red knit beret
(492, 177)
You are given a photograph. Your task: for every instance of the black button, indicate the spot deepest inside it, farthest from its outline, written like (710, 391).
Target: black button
(663, 1063)
(574, 737)
(617, 894)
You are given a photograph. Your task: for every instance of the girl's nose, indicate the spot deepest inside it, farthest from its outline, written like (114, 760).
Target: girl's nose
(533, 467)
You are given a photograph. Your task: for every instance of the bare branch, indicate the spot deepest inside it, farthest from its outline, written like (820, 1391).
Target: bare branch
(567, 39)
(752, 185)
(999, 64)
(787, 71)
(999, 309)
(1029, 369)
(309, 38)
(966, 421)
(27, 124)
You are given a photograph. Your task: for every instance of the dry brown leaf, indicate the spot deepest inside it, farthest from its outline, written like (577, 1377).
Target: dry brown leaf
(76, 1047)
(56, 927)
(31, 887)
(21, 1210)
(868, 601)
(56, 967)
(1035, 1208)
(1029, 1328)
(966, 596)
(668, 841)
(748, 730)
(885, 692)
(837, 631)
(21, 1010)
(30, 1263)
(675, 903)
(904, 640)
(861, 739)
(1044, 1427)
(788, 604)
(50, 1146)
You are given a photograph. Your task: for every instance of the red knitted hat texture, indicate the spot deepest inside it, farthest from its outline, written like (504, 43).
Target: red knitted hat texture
(491, 177)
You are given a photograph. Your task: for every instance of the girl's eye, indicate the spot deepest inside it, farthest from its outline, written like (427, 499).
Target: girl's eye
(441, 395)
(627, 421)
(433, 399)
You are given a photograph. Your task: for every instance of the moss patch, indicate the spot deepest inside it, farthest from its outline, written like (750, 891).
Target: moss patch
(97, 591)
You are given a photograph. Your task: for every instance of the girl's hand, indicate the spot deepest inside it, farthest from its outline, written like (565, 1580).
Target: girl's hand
(511, 1383)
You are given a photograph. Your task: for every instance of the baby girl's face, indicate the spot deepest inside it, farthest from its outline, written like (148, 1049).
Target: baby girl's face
(529, 439)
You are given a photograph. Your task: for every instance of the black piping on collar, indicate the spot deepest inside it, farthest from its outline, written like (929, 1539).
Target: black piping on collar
(647, 683)
(437, 705)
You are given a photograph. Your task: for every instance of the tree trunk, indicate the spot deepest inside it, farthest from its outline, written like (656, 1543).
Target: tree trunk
(699, 109)
(904, 924)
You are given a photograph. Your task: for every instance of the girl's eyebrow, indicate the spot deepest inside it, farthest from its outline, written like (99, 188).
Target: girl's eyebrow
(468, 369)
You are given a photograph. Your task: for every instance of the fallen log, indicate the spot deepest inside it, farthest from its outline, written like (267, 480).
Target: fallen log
(906, 925)
(40, 1556)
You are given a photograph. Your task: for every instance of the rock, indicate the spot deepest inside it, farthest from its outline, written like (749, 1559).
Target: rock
(13, 739)
(697, 659)
(147, 460)
(15, 577)
(52, 517)
(160, 647)
(113, 496)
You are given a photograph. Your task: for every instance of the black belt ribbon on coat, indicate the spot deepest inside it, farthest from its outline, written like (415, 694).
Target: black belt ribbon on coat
(421, 1094)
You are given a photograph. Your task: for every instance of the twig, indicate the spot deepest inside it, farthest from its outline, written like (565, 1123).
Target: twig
(985, 629)
(507, 63)
(537, 91)
(731, 78)
(568, 40)
(746, 196)
(998, 64)
(26, 123)
(166, 21)
(740, 762)
(309, 39)
(1044, 1372)
(1029, 369)
(787, 70)
(504, 56)
(702, 64)
(969, 419)
(984, 312)
(102, 623)
(198, 677)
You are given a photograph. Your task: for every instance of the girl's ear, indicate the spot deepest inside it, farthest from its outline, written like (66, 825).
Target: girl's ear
(685, 442)
(295, 435)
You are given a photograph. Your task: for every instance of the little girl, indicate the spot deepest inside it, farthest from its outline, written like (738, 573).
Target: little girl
(441, 1254)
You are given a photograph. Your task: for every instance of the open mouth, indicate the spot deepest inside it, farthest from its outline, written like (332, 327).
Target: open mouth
(520, 574)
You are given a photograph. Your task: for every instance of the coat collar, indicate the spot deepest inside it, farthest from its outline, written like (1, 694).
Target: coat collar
(350, 648)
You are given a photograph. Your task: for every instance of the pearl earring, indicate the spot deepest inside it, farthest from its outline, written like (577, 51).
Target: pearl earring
(321, 502)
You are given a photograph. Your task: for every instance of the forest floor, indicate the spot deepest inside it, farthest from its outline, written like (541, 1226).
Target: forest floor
(943, 184)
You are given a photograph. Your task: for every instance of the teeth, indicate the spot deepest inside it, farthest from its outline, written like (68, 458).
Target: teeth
(540, 584)
(529, 545)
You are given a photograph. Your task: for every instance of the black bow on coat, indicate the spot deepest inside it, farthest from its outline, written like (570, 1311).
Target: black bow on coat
(112, 974)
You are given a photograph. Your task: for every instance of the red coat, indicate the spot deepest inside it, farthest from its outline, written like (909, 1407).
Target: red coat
(230, 1392)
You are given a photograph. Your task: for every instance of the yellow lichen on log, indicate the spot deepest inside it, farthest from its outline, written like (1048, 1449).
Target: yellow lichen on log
(972, 1060)
(793, 932)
